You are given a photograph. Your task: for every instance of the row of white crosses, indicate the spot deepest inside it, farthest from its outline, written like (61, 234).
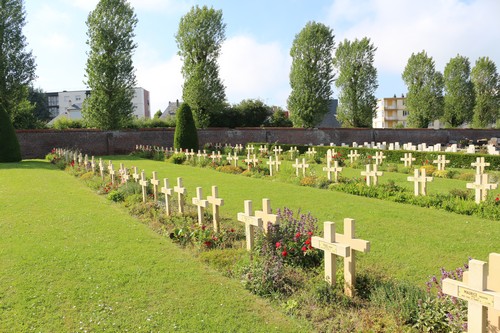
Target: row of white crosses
(336, 169)
(481, 289)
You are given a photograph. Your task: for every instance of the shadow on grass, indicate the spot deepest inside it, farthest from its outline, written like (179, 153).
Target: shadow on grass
(28, 164)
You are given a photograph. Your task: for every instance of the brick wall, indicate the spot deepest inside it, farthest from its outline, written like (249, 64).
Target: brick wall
(36, 143)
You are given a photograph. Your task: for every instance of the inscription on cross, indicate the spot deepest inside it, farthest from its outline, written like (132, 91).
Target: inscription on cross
(167, 191)
(331, 249)
(181, 193)
(200, 203)
(216, 202)
(369, 174)
(266, 214)
(251, 223)
(420, 182)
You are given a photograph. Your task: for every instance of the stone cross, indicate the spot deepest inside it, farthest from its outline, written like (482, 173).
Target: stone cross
(355, 244)
(168, 192)
(480, 164)
(216, 202)
(311, 152)
(441, 162)
(155, 182)
(213, 156)
(92, 164)
(86, 162)
(302, 166)
(144, 183)
(292, 151)
(122, 169)
(111, 172)
(408, 159)
(200, 203)
(101, 168)
(271, 163)
(238, 148)
(420, 182)
(262, 149)
(199, 155)
(181, 193)
(379, 158)
(251, 160)
(229, 157)
(277, 163)
(190, 154)
(136, 175)
(476, 289)
(218, 145)
(251, 223)
(219, 156)
(331, 249)
(481, 187)
(266, 214)
(80, 159)
(250, 149)
(125, 175)
(369, 174)
(353, 155)
(335, 169)
(277, 150)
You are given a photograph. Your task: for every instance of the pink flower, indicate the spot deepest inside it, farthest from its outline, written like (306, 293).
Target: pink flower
(278, 245)
(304, 248)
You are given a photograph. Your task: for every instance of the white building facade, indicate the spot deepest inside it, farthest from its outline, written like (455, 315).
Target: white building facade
(391, 113)
(69, 103)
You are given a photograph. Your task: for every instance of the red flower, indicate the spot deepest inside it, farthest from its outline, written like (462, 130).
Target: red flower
(497, 199)
(208, 244)
(284, 253)
(304, 249)
(308, 241)
(297, 235)
(309, 233)
(278, 245)
(232, 230)
(369, 156)
(203, 227)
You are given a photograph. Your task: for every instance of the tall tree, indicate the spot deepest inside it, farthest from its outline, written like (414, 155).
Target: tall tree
(487, 90)
(425, 90)
(311, 75)
(38, 98)
(110, 72)
(459, 92)
(17, 65)
(199, 39)
(357, 82)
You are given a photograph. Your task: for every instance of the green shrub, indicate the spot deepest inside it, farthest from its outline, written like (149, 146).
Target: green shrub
(10, 150)
(185, 136)
(178, 158)
(65, 123)
(467, 176)
(116, 196)
(230, 169)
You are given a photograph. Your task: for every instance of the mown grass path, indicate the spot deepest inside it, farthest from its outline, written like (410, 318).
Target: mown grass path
(71, 261)
(407, 242)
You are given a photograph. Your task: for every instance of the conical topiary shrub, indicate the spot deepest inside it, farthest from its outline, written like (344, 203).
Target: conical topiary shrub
(9, 145)
(185, 136)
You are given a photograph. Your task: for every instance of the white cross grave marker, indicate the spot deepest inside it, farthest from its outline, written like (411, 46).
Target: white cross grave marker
(353, 155)
(335, 169)
(250, 149)
(181, 192)
(302, 166)
(369, 174)
(480, 164)
(136, 175)
(216, 202)
(101, 168)
(331, 249)
(292, 152)
(277, 150)
(441, 162)
(408, 159)
(355, 244)
(262, 149)
(92, 164)
(144, 183)
(481, 187)
(251, 223)
(266, 214)
(125, 175)
(311, 152)
(271, 163)
(111, 172)
(168, 192)
(155, 182)
(379, 158)
(420, 182)
(200, 203)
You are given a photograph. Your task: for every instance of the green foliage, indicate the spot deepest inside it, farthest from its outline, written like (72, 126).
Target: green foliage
(10, 150)
(486, 88)
(109, 70)
(185, 136)
(199, 39)
(252, 112)
(178, 158)
(425, 90)
(65, 123)
(17, 66)
(357, 82)
(152, 123)
(37, 97)
(278, 119)
(311, 75)
(459, 92)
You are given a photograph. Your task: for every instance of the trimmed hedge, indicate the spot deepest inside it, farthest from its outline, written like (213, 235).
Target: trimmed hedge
(9, 145)
(185, 136)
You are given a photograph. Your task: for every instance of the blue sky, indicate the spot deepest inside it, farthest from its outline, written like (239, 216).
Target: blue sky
(255, 61)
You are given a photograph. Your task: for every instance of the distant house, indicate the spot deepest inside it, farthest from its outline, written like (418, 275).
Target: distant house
(69, 103)
(391, 112)
(170, 110)
(330, 118)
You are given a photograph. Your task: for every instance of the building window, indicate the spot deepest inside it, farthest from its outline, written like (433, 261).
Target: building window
(53, 100)
(405, 113)
(78, 98)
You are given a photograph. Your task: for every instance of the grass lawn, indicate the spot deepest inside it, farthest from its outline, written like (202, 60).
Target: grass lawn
(72, 261)
(407, 242)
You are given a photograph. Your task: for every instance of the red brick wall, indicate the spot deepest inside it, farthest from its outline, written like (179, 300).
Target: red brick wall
(37, 143)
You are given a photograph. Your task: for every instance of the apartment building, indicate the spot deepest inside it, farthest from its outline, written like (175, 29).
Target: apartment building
(69, 103)
(391, 112)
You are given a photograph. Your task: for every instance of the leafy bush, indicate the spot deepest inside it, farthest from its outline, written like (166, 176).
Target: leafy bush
(66, 123)
(178, 158)
(10, 150)
(185, 136)
(116, 196)
(467, 176)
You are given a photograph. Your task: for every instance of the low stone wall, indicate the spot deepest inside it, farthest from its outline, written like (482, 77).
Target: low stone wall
(36, 143)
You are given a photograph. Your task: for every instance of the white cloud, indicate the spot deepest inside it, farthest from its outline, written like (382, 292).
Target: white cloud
(254, 70)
